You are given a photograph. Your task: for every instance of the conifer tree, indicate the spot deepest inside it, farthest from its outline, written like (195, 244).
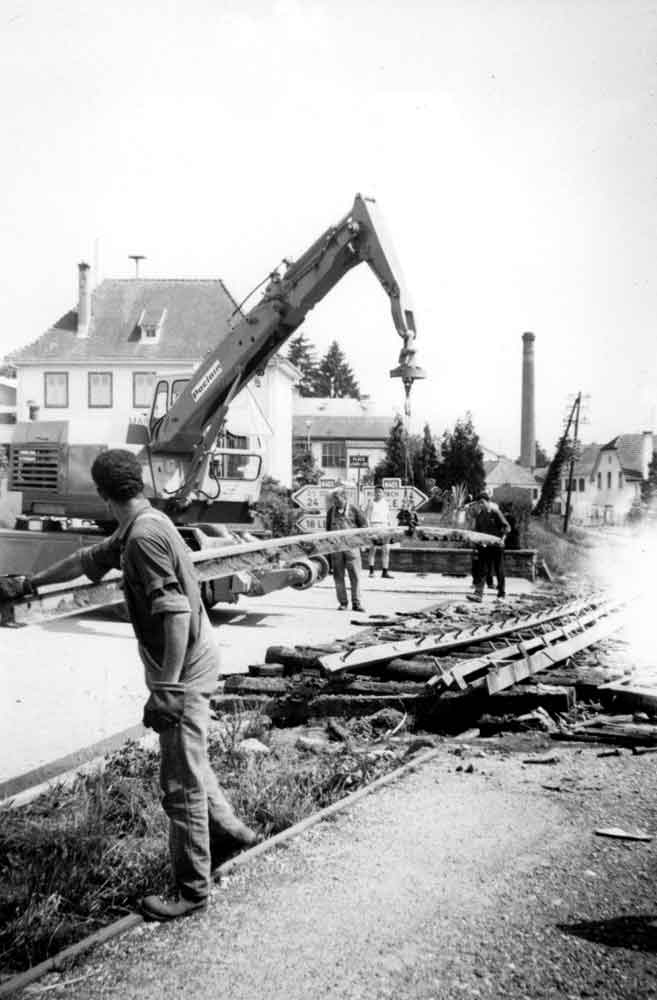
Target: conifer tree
(425, 459)
(394, 464)
(334, 376)
(462, 460)
(301, 353)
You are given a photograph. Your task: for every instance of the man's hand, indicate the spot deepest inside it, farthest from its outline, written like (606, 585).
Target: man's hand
(12, 588)
(164, 708)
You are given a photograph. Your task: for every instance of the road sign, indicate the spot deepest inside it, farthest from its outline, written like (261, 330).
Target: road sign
(312, 522)
(398, 496)
(318, 498)
(359, 461)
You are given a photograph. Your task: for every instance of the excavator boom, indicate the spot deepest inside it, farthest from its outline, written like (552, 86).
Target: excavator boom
(194, 420)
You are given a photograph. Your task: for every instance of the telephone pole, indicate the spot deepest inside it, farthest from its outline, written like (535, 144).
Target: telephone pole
(574, 414)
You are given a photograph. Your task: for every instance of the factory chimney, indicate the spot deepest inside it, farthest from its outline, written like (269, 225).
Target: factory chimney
(528, 417)
(84, 299)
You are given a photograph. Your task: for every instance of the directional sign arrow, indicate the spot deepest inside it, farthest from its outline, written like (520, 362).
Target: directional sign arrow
(312, 522)
(311, 497)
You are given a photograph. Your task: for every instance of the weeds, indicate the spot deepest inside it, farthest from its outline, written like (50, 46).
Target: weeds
(563, 553)
(80, 856)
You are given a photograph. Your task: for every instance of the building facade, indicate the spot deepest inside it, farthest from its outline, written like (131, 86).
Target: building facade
(340, 433)
(608, 479)
(97, 366)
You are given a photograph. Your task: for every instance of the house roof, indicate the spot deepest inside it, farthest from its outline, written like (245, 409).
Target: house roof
(360, 427)
(588, 457)
(333, 406)
(197, 317)
(630, 452)
(501, 471)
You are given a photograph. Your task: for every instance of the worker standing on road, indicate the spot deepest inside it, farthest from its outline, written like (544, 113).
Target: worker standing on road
(181, 665)
(377, 513)
(342, 515)
(489, 559)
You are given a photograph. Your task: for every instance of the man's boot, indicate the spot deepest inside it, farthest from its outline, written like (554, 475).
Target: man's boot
(371, 570)
(386, 575)
(156, 908)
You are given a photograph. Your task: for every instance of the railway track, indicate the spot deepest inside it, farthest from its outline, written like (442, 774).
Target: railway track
(417, 658)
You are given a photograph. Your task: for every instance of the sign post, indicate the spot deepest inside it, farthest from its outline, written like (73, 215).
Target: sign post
(359, 462)
(315, 500)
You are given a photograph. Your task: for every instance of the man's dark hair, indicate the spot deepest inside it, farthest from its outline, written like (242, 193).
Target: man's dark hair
(117, 475)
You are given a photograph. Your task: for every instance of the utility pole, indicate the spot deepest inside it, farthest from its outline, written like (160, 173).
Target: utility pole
(574, 413)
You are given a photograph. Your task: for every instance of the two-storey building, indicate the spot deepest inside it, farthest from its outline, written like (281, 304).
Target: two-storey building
(607, 479)
(100, 361)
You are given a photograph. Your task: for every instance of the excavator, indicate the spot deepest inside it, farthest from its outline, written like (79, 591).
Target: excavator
(188, 455)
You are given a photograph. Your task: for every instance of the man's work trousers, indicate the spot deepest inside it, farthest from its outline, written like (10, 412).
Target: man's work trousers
(488, 560)
(385, 555)
(349, 561)
(199, 813)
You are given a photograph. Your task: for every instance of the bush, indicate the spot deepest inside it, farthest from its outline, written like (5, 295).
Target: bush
(276, 508)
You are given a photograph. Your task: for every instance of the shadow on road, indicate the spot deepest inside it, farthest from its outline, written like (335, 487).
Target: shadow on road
(632, 931)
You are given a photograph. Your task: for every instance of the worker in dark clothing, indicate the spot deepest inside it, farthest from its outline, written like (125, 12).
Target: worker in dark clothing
(489, 559)
(342, 515)
(181, 664)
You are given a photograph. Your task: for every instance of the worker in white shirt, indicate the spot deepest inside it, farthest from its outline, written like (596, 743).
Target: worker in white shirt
(378, 515)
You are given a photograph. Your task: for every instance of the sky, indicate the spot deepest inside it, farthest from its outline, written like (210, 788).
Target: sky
(510, 144)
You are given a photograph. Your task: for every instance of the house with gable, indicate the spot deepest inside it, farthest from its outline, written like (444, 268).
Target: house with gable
(501, 471)
(99, 363)
(607, 479)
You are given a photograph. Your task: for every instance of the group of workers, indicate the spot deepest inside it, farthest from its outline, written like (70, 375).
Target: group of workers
(180, 657)
(482, 515)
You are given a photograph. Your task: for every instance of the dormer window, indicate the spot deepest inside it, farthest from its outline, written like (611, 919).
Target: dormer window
(149, 325)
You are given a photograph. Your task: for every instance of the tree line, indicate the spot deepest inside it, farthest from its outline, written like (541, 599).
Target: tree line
(453, 460)
(331, 375)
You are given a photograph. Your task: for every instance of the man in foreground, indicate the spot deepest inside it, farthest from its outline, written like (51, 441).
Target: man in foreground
(181, 666)
(340, 516)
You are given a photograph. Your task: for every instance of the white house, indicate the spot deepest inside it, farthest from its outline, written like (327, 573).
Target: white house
(607, 480)
(100, 360)
(336, 430)
(7, 406)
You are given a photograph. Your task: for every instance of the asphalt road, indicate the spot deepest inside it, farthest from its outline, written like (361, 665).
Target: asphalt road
(443, 886)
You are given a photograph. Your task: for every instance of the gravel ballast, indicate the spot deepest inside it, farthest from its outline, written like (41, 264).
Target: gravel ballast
(468, 878)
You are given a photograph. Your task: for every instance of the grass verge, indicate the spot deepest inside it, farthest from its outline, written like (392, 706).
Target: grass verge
(564, 554)
(81, 856)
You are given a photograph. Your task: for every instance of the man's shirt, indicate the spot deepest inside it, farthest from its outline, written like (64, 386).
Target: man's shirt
(158, 579)
(378, 512)
(350, 517)
(491, 521)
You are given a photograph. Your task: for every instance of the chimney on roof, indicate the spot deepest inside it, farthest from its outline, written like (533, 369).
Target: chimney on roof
(527, 416)
(84, 299)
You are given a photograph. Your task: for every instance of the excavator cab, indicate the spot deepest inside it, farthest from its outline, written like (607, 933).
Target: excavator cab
(235, 466)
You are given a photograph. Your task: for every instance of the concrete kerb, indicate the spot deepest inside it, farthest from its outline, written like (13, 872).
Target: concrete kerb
(58, 962)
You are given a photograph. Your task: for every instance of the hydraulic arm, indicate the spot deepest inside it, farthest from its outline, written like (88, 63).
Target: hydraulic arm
(192, 424)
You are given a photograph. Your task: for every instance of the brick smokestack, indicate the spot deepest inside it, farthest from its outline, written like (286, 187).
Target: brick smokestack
(84, 299)
(528, 417)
